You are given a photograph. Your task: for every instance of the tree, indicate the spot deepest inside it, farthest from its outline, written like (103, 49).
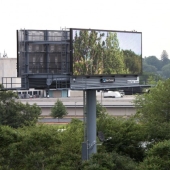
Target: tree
(164, 58)
(8, 136)
(70, 148)
(133, 62)
(153, 111)
(29, 148)
(153, 61)
(109, 161)
(166, 71)
(1, 87)
(151, 80)
(41, 147)
(58, 110)
(100, 110)
(157, 157)
(88, 51)
(14, 113)
(149, 68)
(113, 56)
(125, 136)
(145, 78)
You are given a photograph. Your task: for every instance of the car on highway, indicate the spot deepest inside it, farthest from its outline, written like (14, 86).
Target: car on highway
(112, 94)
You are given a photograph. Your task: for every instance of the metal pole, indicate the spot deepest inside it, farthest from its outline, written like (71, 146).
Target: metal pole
(75, 109)
(91, 122)
(101, 97)
(84, 144)
(84, 115)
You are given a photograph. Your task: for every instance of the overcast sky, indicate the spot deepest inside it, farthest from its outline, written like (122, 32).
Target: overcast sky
(151, 17)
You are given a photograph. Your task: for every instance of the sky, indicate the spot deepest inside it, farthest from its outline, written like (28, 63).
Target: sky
(130, 41)
(151, 17)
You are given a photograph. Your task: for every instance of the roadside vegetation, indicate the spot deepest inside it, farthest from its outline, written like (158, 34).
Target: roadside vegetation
(141, 142)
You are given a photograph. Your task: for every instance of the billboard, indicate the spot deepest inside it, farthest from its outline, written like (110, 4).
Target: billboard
(43, 51)
(105, 52)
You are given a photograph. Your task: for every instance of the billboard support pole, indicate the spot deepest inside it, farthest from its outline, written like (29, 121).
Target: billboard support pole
(84, 143)
(91, 121)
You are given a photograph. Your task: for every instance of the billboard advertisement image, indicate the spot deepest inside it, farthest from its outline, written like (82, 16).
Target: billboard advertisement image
(105, 53)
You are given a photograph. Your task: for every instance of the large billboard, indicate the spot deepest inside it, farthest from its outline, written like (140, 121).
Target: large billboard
(105, 52)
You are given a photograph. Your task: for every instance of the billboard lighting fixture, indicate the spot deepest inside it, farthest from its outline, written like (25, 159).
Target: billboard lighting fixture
(74, 79)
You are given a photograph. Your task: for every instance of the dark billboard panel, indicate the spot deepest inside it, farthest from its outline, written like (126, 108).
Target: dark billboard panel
(105, 53)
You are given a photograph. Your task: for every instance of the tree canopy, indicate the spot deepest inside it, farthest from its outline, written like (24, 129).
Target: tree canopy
(158, 157)
(124, 136)
(136, 143)
(109, 161)
(157, 67)
(14, 113)
(100, 110)
(164, 57)
(58, 110)
(41, 147)
(154, 61)
(166, 71)
(154, 111)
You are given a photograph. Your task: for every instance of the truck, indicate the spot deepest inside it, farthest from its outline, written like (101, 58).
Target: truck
(112, 94)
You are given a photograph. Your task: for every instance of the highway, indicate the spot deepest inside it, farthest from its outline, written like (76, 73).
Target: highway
(70, 101)
(115, 106)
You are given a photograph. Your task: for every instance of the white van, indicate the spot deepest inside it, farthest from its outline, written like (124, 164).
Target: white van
(112, 94)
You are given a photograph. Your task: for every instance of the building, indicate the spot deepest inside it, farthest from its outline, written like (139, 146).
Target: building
(8, 73)
(9, 79)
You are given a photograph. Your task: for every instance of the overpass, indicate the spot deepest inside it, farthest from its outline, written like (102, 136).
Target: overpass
(115, 106)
